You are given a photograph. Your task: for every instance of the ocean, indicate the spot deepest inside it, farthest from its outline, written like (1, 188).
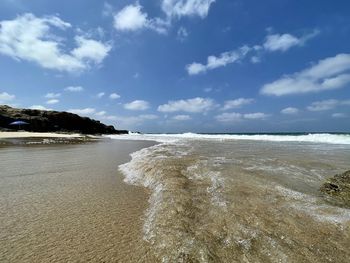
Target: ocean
(241, 197)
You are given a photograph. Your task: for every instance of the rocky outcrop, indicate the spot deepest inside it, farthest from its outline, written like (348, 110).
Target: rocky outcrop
(53, 121)
(337, 189)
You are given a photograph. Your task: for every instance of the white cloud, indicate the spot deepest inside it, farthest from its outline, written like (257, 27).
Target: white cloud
(256, 116)
(83, 112)
(274, 42)
(39, 107)
(31, 39)
(181, 118)
(328, 74)
(229, 117)
(90, 50)
(278, 42)
(194, 105)
(100, 95)
(52, 101)
(339, 115)
(237, 103)
(327, 104)
(52, 95)
(214, 62)
(137, 105)
(5, 97)
(235, 117)
(114, 96)
(132, 18)
(179, 8)
(290, 110)
(74, 88)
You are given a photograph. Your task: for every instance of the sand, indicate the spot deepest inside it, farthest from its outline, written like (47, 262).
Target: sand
(68, 203)
(24, 134)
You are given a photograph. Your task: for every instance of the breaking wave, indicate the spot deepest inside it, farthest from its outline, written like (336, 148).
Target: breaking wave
(214, 198)
(328, 138)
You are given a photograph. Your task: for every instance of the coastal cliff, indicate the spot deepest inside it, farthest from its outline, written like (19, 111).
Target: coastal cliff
(53, 121)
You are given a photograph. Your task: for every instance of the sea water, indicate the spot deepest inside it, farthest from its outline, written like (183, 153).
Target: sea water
(241, 197)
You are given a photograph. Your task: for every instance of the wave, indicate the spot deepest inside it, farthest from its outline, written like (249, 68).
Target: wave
(327, 138)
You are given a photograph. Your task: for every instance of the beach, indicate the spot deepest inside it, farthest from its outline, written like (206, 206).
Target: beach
(24, 134)
(177, 198)
(68, 203)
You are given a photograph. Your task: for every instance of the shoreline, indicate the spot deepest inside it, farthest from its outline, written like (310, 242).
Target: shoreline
(25, 134)
(66, 203)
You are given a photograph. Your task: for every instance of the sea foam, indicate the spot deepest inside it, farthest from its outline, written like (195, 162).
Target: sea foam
(308, 138)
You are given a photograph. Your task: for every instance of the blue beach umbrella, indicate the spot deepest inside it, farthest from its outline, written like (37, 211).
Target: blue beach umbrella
(19, 123)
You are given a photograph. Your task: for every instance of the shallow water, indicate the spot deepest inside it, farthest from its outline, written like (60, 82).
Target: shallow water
(68, 203)
(199, 201)
(242, 201)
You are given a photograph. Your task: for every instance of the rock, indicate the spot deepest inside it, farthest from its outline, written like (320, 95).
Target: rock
(337, 189)
(53, 121)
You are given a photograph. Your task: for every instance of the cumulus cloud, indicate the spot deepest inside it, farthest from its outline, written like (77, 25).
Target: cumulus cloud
(222, 60)
(74, 89)
(6, 97)
(30, 38)
(290, 111)
(328, 74)
(52, 95)
(114, 96)
(181, 118)
(237, 103)
(194, 105)
(52, 101)
(327, 104)
(132, 18)
(137, 105)
(235, 117)
(273, 43)
(283, 42)
(179, 8)
(90, 50)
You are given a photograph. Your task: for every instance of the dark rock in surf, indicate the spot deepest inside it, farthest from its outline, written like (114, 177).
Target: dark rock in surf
(53, 121)
(337, 189)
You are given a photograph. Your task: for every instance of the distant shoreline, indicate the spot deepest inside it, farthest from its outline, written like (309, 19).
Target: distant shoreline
(24, 134)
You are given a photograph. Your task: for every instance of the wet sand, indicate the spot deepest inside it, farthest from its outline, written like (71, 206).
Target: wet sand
(68, 203)
(185, 201)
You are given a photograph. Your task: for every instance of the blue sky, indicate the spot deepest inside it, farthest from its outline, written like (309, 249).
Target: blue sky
(181, 65)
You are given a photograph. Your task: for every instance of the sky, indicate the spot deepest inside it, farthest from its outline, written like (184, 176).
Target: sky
(181, 65)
